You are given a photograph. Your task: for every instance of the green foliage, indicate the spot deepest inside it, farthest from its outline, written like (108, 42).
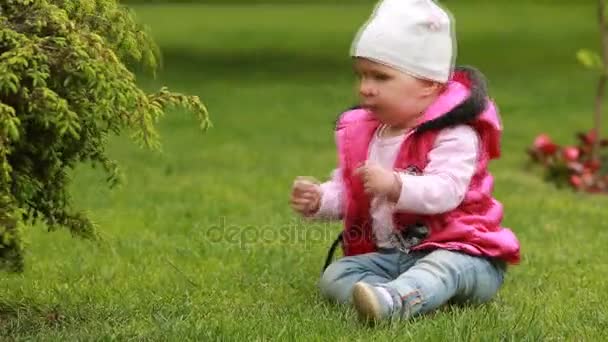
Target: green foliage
(590, 60)
(66, 84)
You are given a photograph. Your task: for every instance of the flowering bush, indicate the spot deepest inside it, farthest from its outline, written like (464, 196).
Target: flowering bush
(584, 166)
(574, 164)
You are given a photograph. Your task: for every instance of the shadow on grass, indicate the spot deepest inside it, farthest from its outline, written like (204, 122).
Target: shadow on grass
(191, 63)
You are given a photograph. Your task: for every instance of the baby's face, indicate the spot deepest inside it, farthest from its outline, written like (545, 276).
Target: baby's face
(395, 98)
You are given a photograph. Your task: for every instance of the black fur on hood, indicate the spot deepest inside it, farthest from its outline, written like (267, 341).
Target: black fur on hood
(465, 112)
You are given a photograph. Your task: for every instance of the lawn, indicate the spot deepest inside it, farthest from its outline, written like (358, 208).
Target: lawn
(200, 244)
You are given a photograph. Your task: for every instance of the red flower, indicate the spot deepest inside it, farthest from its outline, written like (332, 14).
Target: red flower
(576, 181)
(588, 138)
(571, 153)
(592, 165)
(544, 144)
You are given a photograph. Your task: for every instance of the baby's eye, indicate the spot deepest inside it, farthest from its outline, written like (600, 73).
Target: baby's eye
(381, 76)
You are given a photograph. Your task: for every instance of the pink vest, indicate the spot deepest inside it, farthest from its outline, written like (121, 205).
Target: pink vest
(474, 227)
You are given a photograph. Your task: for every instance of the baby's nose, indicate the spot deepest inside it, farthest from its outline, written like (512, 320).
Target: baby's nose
(366, 89)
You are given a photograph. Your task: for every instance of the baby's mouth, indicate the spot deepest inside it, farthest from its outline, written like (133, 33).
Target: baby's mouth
(370, 107)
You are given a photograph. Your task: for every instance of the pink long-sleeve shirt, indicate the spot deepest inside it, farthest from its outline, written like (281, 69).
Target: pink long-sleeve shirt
(440, 188)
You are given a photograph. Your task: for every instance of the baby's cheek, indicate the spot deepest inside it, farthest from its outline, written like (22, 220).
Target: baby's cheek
(408, 108)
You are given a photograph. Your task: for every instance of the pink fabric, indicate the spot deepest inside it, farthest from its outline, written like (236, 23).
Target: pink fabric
(444, 184)
(331, 207)
(445, 180)
(472, 227)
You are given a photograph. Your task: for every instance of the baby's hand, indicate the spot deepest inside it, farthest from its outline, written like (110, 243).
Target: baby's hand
(379, 181)
(305, 196)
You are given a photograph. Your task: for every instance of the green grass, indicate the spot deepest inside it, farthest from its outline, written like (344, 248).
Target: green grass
(200, 243)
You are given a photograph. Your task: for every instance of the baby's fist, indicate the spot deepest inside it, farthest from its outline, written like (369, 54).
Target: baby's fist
(305, 196)
(379, 181)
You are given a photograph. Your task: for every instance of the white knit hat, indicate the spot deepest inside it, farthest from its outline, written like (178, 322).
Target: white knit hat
(414, 36)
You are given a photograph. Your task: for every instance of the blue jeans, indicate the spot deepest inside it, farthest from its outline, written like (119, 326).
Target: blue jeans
(421, 281)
